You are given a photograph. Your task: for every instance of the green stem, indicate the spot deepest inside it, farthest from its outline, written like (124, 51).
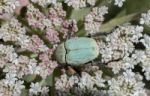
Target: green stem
(105, 2)
(98, 2)
(122, 13)
(146, 29)
(108, 26)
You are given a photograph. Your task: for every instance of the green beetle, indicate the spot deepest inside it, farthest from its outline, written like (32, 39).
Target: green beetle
(77, 51)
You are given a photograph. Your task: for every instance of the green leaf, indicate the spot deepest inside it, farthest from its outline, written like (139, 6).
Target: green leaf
(104, 3)
(122, 13)
(33, 55)
(24, 92)
(81, 33)
(133, 6)
(147, 29)
(98, 2)
(79, 14)
(108, 26)
(49, 80)
(29, 78)
(112, 10)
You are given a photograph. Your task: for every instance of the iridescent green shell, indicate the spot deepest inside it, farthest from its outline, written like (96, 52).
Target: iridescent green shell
(77, 51)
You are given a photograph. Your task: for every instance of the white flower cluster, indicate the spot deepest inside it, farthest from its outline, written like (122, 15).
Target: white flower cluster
(119, 50)
(87, 81)
(81, 84)
(12, 30)
(119, 3)
(145, 18)
(65, 83)
(8, 6)
(37, 88)
(10, 85)
(44, 3)
(16, 67)
(145, 57)
(128, 84)
(57, 14)
(36, 19)
(76, 4)
(119, 46)
(7, 54)
(94, 19)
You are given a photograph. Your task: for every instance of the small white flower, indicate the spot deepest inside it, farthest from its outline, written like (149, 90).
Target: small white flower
(127, 84)
(44, 3)
(140, 93)
(128, 75)
(47, 23)
(10, 79)
(35, 88)
(80, 3)
(118, 47)
(8, 6)
(11, 30)
(94, 19)
(119, 3)
(44, 91)
(146, 41)
(145, 18)
(91, 2)
(99, 81)
(33, 68)
(86, 81)
(147, 74)
(18, 88)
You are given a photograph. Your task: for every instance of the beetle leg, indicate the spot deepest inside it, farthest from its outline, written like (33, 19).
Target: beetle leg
(71, 71)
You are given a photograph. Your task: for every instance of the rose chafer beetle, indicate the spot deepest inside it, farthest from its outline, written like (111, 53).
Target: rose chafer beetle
(77, 51)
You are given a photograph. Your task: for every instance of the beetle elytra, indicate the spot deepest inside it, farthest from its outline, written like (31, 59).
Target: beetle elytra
(77, 51)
